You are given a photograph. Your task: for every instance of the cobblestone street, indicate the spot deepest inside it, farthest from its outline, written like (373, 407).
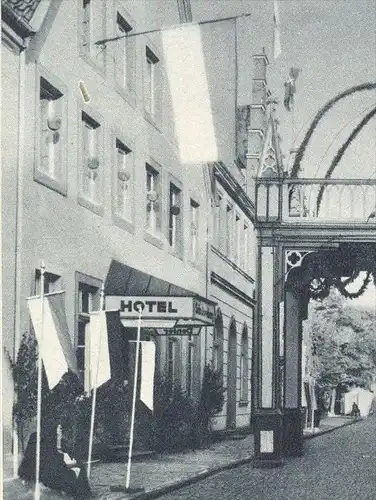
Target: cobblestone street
(337, 466)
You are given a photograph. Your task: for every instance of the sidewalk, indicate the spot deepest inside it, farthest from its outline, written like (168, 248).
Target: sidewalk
(162, 473)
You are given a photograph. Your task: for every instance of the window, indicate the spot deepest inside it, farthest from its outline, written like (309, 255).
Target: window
(151, 83)
(174, 224)
(52, 282)
(237, 242)
(93, 29)
(194, 207)
(190, 365)
(171, 361)
(244, 366)
(87, 301)
(218, 221)
(124, 169)
(90, 178)
(245, 250)
(124, 56)
(153, 219)
(50, 130)
(229, 229)
(218, 343)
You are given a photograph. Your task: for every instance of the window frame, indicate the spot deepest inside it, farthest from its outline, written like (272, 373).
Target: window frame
(175, 235)
(152, 61)
(93, 285)
(128, 90)
(53, 84)
(194, 232)
(244, 366)
(88, 115)
(120, 220)
(87, 48)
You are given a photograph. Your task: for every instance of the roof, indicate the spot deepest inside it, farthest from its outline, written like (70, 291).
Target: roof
(23, 8)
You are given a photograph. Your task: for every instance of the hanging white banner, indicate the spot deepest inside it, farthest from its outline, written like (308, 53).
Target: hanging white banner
(147, 373)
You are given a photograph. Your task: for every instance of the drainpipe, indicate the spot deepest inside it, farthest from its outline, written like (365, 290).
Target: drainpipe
(18, 242)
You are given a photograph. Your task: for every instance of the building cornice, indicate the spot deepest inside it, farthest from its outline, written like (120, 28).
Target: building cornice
(231, 289)
(234, 189)
(15, 21)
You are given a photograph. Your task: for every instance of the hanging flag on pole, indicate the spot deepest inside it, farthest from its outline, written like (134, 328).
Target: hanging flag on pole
(290, 88)
(56, 349)
(147, 373)
(190, 96)
(100, 368)
(276, 31)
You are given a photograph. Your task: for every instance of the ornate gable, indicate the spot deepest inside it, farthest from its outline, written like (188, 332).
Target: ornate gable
(271, 157)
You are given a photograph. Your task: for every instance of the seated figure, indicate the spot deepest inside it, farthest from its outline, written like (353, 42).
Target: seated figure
(355, 412)
(57, 469)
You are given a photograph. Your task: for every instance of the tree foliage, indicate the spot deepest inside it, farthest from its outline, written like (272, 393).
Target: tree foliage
(343, 342)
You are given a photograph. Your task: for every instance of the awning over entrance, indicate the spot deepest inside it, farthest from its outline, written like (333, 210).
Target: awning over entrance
(126, 288)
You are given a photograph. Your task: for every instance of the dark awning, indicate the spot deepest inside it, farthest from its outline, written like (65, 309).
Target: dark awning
(126, 280)
(125, 287)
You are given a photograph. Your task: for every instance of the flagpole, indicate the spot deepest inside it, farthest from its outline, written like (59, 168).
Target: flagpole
(39, 390)
(134, 398)
(94, 402)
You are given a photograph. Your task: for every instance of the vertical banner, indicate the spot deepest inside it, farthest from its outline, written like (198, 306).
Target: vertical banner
(147, 373)
(56, 347)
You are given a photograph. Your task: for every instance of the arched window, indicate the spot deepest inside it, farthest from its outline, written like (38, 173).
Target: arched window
(218, 342)
(244, 365)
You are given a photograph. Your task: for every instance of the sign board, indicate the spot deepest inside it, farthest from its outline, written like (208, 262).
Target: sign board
(178, 331)
(163, 312)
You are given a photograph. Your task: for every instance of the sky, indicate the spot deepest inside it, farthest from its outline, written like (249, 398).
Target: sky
(333, 43)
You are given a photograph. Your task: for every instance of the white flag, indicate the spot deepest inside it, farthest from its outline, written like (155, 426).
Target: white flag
(55, 344)
(188, 85)
(100, 368)
(147, 373)
(276, 31)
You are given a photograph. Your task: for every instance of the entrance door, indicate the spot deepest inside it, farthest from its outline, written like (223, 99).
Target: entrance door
(231, 377)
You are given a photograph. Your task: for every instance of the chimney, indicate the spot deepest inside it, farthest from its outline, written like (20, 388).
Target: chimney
(257, 120)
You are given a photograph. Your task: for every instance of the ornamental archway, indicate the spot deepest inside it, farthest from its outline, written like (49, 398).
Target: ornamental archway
(312, 234)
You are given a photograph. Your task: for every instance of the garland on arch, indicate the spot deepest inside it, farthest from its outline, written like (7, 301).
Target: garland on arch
(320, 287)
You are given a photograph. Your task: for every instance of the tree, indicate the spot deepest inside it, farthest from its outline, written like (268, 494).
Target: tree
(343, 343)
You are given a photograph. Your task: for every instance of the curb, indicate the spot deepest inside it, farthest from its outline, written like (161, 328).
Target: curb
(332, 429)
(176, 485)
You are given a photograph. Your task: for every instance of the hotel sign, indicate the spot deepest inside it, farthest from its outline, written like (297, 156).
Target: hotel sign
(186, 311)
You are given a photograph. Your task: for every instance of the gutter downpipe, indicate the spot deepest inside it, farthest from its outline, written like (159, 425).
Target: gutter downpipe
(18, 242)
